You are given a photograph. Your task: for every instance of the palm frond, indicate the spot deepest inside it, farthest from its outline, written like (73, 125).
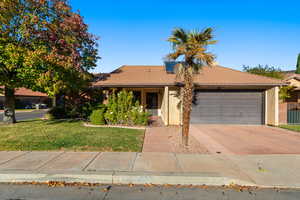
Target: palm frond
(204, 37)
(179, 70)
(179, 51)
(179, 36)
(173, 56)
(196, 67)
(206, 58)
(174, 40)
(193, 47)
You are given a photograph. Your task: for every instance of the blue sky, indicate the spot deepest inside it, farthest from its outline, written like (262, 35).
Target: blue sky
(249, 32)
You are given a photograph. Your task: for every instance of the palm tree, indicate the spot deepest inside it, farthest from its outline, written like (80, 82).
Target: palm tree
(190, 48)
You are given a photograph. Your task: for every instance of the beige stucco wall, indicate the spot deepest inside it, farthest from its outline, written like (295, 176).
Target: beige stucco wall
(171, 107)
(165, 106)
(174, 107)
(272, 106)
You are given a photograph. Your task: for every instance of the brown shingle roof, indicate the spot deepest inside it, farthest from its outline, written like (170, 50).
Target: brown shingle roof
(27, 92)
(137, 75)
(291, 75)
(157, 75)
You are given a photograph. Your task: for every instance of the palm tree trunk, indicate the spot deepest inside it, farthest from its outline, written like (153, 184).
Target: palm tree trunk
(187, 106)
(9, 106)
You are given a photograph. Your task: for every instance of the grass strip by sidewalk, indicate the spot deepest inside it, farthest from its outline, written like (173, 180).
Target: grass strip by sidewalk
(291, 127)
(42, 135)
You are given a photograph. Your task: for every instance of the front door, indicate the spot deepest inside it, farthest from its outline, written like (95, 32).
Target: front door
(152, 103)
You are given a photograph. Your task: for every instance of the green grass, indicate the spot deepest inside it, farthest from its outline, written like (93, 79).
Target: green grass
(291, 127)
(68, 135)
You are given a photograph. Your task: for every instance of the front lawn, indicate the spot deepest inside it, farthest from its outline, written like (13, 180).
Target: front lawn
(291, 127)
(67, 135)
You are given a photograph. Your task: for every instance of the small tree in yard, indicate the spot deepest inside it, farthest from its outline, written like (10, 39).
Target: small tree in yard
(192, 48)
(44, 46)
(266, 70)
(272, 72)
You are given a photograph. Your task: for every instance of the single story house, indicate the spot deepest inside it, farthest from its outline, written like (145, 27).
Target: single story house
(293, 79)
(26, 97)
(289, 109)
(222, 95)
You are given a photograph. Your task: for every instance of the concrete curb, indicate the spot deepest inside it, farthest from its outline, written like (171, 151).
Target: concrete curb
(209, 179)
(19, 177)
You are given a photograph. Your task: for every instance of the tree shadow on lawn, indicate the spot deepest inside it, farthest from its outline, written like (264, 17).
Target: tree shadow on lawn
(18, 122)
(59, 121)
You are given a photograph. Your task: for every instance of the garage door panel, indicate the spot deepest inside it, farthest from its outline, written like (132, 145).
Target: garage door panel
(238, 109)
(228, 107)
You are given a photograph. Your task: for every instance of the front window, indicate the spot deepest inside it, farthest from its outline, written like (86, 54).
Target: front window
(137, 96)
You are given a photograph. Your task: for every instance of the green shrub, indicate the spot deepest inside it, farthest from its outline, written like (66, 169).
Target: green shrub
(101, 106)
(143, 119)
(112, 110)
(57, 112)
(138, 116)
(121, 109)
(80, 104)
(97, 117)
(49, 116)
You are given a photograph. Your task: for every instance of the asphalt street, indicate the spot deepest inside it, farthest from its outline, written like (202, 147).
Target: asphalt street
(20, 116)
(115, 192)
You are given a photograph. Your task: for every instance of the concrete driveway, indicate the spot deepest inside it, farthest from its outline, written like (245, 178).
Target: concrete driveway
(239, 139)
(168, 140)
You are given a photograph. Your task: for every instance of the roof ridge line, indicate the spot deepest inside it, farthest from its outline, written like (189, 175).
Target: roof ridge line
(261, 76)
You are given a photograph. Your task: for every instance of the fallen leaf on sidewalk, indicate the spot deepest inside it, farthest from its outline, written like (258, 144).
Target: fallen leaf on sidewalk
(106, 189)
(148, 185)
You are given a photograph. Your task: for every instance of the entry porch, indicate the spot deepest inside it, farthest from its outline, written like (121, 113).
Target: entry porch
(158, 101)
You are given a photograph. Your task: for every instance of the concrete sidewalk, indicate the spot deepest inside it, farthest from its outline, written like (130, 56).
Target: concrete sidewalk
(151, 168)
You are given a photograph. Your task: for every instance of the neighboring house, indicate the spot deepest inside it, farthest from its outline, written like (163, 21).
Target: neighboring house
(293, 79)
(26, 97)
(222, 95)
(289, 109)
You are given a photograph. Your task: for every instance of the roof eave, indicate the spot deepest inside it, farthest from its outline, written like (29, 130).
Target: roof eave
(241, 84)
(181, 84)
(133, 85)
